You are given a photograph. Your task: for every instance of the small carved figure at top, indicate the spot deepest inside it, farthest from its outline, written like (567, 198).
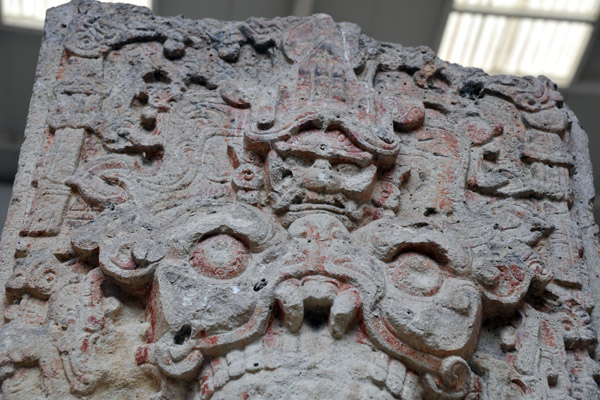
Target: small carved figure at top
(320, 171)
(325, 133)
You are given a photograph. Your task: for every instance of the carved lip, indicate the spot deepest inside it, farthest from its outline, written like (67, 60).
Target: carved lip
(317, 207)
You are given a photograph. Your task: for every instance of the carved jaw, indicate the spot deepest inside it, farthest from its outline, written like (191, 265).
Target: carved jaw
(307, 365)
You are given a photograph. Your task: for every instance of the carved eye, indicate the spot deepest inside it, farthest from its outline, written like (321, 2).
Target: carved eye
(220, 257)
(416, 274)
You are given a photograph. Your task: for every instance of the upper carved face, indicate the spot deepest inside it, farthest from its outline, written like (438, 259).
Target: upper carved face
(320, 171)
(326, 136)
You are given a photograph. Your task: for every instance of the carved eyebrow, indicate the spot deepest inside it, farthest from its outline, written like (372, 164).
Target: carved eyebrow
(387, 239)
(360, 158)
(237, 221)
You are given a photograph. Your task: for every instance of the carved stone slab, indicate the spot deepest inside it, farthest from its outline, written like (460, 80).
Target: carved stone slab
(289, 209)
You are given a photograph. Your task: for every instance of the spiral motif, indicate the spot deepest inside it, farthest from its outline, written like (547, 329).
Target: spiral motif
(454, 379)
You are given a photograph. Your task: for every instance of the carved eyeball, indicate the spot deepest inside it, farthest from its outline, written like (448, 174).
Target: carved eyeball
(248, 177)
(220, 257)
(416, 274)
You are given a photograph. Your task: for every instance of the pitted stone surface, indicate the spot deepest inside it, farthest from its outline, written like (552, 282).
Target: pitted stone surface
(287, 208)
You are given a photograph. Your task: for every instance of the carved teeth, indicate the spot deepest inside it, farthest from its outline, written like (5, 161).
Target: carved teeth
(280, 351)
(342, 313)
(291, 300)
(378, 367)
(395, 379)
(220, 372)
(317, 293)
(254, 357)
(236, 363)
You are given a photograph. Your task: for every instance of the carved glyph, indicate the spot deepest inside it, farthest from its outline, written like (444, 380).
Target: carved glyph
(288, 208)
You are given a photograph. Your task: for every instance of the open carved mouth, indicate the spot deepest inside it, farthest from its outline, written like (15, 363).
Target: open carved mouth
(336, 204)
(317, 281)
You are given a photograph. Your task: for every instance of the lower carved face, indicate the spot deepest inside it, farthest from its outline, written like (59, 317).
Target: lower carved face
(320, 171)
(237, 290)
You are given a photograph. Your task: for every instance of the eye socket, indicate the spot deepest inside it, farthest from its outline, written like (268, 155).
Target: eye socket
(416, 274)
(220, 257)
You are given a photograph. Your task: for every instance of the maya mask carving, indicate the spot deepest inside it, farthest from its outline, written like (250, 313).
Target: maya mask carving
(289, 208)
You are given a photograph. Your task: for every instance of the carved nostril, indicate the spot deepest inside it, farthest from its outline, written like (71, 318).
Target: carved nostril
(318, 179)
(319, 176)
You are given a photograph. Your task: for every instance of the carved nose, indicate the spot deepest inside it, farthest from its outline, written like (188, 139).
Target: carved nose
(322, 164)
(319, 176)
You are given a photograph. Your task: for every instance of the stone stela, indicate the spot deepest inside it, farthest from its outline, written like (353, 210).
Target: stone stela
(289, 209)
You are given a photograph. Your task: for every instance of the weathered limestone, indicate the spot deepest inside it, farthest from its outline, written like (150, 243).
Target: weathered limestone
(289, 209)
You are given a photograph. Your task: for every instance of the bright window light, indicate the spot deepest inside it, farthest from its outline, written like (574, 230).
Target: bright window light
(520, 37)
(31, 13)
(586, 10)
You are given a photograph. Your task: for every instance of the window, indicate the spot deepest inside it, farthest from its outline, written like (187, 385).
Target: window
(520, 37)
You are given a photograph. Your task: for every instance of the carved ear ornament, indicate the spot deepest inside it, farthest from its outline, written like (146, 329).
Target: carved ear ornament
(131, 260)
(503, 281)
